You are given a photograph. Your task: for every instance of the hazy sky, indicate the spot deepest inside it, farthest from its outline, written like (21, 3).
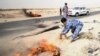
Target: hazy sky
(46, 3)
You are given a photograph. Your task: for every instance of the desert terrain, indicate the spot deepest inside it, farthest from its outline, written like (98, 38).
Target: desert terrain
(22, 33)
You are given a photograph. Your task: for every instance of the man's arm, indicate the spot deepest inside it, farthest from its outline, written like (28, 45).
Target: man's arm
(65, 30)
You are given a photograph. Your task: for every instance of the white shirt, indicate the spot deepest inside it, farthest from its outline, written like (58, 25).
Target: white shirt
(65, 9)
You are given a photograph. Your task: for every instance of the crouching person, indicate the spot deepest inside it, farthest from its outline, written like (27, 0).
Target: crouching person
(74, 25)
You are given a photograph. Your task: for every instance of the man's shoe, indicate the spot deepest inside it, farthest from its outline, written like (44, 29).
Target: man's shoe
(72, 41)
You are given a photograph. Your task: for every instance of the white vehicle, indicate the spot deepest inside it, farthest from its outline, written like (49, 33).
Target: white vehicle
(76, 11)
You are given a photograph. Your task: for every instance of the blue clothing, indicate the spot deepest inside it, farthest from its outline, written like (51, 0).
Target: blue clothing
(74, 25)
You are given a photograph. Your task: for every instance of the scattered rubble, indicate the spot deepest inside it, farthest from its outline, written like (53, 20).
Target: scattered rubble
(93, 49)
(86, 35)
(98, 37)
(95, 21)
(94, 52)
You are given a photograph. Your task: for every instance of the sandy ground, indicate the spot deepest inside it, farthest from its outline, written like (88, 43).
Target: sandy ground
(81, 47)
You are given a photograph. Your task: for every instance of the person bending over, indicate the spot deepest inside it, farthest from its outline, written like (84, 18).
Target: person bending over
(74, 25)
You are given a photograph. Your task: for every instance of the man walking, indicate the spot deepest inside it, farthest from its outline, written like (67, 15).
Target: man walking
(64, 11)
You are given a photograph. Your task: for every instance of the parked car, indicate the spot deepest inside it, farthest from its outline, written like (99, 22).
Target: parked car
(76, 11)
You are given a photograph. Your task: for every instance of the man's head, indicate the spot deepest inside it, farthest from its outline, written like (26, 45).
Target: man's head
(63, 20)
(65, 3)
